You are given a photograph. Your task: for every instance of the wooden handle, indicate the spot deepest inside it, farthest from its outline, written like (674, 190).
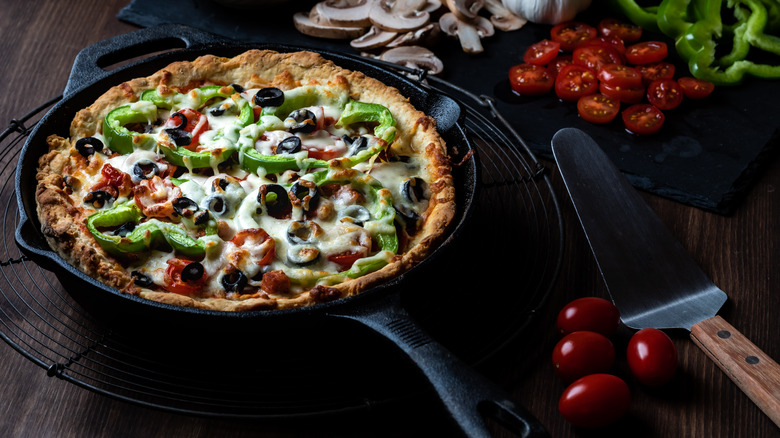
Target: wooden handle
(756, 374)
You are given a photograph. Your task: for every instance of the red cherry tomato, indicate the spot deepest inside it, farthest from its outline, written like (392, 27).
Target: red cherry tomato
(627, 32)
(572, 34)
(643, 119)
(598, 108)
(173, 281)
(652, 357)
(618, 75)
(575, 81)
(695, 88)
(595, 57)
(542, 53)
(581, 353)
(655, 71)
(627, 95)
(595, 400)
(558, 64)
(646, 52)
(665, 94)
(345, 260)
(589, 313)
(530, 79)
(607, 41)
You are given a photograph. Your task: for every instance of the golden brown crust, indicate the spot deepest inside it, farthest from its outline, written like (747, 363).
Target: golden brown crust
(63, 218)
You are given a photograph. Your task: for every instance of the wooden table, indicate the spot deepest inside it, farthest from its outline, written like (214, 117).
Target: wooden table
(741, 253)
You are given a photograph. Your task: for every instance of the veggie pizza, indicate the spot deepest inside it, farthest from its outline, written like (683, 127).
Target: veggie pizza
(268, 180)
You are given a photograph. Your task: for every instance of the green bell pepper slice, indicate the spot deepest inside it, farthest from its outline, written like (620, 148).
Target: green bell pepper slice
(184, 157)
(356, 112)
(118, 137)
(204, 94)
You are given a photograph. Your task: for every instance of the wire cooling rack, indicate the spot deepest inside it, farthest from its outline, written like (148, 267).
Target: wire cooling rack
(472, 314)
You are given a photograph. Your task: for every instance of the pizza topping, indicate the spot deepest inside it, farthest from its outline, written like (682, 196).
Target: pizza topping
(141, 279)
(185, 206)
(98, 198)
(192, 272)
(270, 96)
(180, 276)
(144, 169)
(289, 145)
(87, 146)
(301, 120)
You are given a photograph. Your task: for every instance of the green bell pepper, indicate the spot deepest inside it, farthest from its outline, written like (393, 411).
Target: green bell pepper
(118, 137)
(356, 112)
(184, 157)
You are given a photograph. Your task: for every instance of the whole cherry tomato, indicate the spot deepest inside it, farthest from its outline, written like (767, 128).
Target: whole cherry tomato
(652, 357)
(595, 400)
(588, 313)
(581, 353)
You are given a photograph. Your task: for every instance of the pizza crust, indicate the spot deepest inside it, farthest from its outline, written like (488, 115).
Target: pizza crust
(63, 218)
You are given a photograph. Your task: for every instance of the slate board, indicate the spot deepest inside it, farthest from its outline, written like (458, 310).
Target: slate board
(707, 155)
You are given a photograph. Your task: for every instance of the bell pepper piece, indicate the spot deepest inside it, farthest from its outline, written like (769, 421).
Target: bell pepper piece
(356, 112)
(118, 137)
(645, 17)
(182, 156)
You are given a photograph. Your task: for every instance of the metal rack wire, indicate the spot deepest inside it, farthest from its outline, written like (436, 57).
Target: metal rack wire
(40, 320)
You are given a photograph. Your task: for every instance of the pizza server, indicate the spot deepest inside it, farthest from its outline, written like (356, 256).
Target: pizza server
(649, 275)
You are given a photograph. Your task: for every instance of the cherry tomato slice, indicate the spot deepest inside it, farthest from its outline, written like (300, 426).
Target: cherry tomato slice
(595, 400)
(628, 32)
(695, 88)
(665, 94)
(346, 259)
(530, 79)
(652, 357)
(643, 119)
(558, 64)
(598, 108)
(575, 81)
(646, 52)
(607, 41)
(655, 71)
(173, 281)
(581, 353)
(595, 57)
(619, 75)
(542, 53)
(572, 34)
(588, 313)
(627, 95)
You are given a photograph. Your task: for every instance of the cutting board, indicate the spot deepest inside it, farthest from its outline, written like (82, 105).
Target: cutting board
(707, 155)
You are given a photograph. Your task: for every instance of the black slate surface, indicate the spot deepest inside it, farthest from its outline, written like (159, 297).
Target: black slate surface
(707, 155)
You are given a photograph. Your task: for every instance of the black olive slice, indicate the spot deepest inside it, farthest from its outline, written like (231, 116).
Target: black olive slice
(302, 255)
(414, 189)
(269, 96)
(301, 189)
(140, 279)
(280, 205)
(234, 281)
(357, 213)
(301, 120)
(289, 145)
(179, 136)
(185, 206)
(192, 272)
(237, 88)
(145, 169)
(98, 198)
(125, 229)
(182, 120)
(220, 183)
(355, 144)
(201, 218)
(300, 232)
(217, 205)
(87, 146)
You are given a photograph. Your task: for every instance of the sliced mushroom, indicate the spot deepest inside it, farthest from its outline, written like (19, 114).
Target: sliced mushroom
(469, 33)
(414, 57)
(503, 18)
(426, 35)
(308, 27)
(465, 10)
(375, 37)
(351, 13)
(394, 16)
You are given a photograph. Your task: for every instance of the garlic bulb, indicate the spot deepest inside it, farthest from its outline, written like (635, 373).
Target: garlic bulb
(547, 11)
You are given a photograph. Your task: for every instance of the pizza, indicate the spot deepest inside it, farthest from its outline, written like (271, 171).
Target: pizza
(263, 181)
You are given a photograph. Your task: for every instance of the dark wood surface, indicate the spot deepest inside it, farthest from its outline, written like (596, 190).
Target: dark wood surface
(741, 253)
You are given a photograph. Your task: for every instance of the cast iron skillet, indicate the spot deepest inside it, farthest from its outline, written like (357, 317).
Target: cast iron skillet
(467, 395)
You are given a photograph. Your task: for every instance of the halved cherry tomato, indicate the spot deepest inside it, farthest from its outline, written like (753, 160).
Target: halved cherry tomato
(595, 400)
(575, 81)
(655, 71)
(646, 52)
(619, 75)
(173, 281)
(542, 52)
(581, 353)
(598, 108)
(588, 313)
(594, 57)
(558, 64)
(695, 88)
(345, 260)
(665, 94)
(652, 357)
(196, 124)
(607, 41)
(530, 79)
(643, 119)
(627, 32)
(572, 34)
(627, 94)
(114, 181)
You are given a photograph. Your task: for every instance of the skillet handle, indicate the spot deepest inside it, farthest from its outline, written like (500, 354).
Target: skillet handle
(467, 395)
(89, 65)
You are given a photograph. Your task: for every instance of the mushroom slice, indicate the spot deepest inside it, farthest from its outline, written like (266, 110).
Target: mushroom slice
(308, 27)
(394, 17)
(343, 13)
(414, 57)
(375, 37)
(468, 32)
(465, 10)
(426, 35)
(503, 18)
